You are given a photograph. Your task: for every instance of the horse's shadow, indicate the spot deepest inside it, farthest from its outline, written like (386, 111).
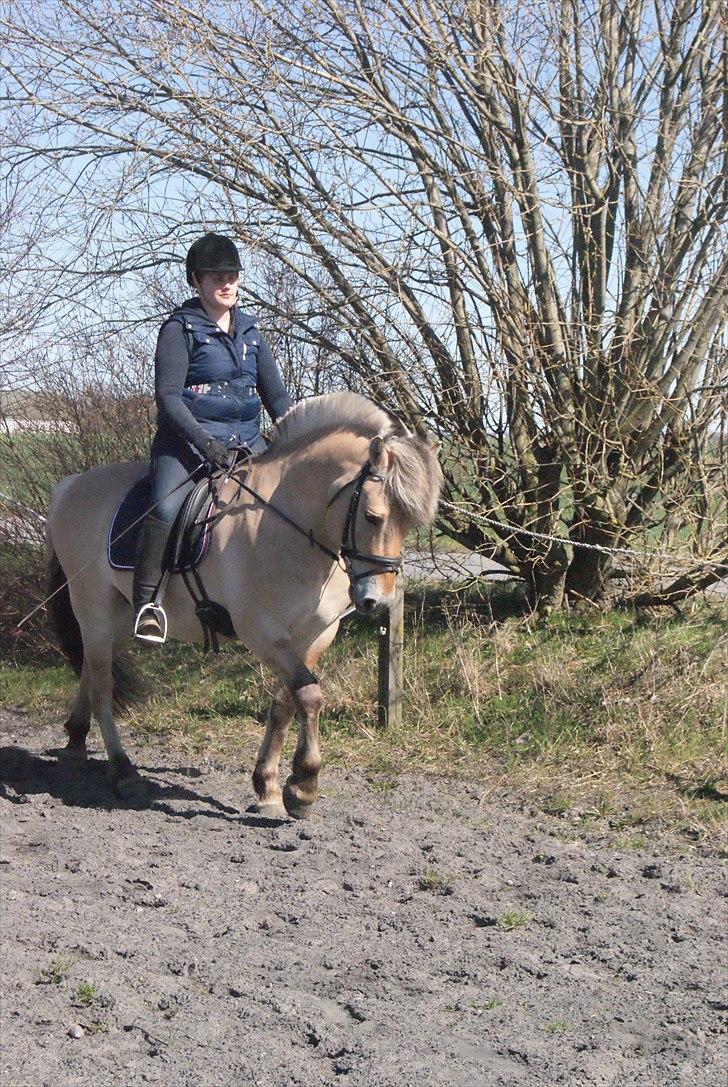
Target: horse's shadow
(84, 783)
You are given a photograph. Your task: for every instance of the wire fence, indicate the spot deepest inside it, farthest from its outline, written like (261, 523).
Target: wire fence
(516, 530)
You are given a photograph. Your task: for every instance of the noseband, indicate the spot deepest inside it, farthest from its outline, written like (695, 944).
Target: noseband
(379, 564)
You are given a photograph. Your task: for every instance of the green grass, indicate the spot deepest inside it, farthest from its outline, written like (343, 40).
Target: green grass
(34, 688)
(622, 715)
(32, 462)
(56, 972)
(514, 919)
(86, 994)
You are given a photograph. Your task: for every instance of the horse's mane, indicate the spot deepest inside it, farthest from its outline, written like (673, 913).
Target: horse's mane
(324, 414)
(414, 479)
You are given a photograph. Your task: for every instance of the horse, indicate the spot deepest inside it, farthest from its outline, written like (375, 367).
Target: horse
(319, 526)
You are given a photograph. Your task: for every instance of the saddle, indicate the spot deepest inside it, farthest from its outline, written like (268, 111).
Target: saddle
(188, 542)
(188, 539)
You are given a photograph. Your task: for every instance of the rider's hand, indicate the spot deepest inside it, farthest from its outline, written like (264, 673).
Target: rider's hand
(216, 453)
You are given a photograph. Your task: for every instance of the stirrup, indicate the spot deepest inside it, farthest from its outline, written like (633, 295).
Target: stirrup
(158, 614)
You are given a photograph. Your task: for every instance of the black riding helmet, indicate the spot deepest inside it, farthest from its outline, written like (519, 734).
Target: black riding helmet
(213, 253)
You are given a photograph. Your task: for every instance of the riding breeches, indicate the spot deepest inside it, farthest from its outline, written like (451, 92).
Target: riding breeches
(172, 461)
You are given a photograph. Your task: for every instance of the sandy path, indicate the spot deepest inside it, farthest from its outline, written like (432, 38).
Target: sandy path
(364, 948)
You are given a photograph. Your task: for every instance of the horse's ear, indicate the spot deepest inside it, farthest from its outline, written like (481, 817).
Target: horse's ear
(378, 454)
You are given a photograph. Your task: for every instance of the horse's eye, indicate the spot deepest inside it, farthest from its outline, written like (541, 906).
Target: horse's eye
(374, 518)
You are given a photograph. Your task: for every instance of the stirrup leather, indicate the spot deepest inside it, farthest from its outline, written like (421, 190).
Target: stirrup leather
(157, 612)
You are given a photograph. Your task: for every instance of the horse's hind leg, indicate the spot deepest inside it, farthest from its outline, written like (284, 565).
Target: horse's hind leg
(79, 722)
(125, 779)
(265, 775)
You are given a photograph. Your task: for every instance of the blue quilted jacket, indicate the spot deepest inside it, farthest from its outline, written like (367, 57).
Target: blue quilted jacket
(213, 383)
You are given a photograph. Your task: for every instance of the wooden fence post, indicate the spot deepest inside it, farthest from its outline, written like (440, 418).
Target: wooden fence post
(391, 641)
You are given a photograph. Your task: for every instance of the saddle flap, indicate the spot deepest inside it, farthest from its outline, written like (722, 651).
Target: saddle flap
(187, 538)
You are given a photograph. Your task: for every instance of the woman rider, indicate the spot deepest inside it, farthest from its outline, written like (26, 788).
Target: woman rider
(212, 369)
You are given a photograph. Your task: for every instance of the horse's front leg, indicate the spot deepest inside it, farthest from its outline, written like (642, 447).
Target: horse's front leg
(300, 692)
(301, 789)
(265, 775)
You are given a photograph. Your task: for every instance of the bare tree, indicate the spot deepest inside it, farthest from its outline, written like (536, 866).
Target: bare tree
(504, 220)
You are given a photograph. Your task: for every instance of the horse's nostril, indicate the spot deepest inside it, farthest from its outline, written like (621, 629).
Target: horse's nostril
(367, 605)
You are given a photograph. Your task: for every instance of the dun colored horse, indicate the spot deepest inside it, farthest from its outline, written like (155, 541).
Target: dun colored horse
(342, 470)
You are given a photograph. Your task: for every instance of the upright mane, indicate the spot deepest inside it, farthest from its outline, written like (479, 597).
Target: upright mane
(334, 411)
(414, 477)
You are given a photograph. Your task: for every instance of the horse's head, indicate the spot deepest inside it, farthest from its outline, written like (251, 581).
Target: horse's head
(396, 489)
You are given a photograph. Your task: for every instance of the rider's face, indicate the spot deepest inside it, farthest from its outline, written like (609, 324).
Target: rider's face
(217, 290)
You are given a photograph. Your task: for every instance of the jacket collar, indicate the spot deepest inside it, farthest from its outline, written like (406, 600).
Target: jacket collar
(194, 314)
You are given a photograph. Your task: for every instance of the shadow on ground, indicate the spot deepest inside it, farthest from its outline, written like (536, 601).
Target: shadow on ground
(84, 783)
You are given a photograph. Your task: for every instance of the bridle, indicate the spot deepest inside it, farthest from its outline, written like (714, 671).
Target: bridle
(348, 550)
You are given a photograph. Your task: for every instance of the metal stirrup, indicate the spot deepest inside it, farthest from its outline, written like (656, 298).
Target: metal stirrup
(158, 612)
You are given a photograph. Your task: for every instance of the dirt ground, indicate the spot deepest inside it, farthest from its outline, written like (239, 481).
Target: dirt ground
(413, 932)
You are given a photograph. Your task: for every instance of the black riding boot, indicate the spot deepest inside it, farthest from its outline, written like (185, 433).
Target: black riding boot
(150, 620)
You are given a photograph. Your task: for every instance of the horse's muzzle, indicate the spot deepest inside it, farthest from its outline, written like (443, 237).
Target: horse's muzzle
(367, 597)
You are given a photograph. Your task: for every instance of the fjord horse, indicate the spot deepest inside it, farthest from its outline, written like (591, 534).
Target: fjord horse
(343, 471)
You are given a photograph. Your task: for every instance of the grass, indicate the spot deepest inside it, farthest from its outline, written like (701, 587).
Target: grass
(56, 972)
(620, 716)
(95, 1027)
(487, 1005)
(435, 882)
(514, 919)
(557, 1026)
(86, 994)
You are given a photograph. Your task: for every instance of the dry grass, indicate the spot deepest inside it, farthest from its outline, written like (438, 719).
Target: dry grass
(615, 714)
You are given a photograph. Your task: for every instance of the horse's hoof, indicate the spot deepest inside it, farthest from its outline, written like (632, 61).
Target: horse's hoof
(134, 790)
(296, 808)
(75, 750)
(268, 811)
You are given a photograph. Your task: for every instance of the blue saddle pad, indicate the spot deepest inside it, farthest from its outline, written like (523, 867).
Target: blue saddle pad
(127, 524)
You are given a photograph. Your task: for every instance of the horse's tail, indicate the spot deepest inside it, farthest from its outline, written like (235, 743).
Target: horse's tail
(64, 620)
(129, 686)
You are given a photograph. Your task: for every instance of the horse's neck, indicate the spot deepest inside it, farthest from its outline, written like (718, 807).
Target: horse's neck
(300, 481)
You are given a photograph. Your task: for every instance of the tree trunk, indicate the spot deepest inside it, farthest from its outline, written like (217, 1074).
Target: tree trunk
(588, 575)
(547, 579)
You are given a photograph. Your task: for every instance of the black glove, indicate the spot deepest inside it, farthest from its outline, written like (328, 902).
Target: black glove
(216, 453)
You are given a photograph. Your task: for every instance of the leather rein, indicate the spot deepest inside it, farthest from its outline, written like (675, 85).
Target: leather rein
(348, 550)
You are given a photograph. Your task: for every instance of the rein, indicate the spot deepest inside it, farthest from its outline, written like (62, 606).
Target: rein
(289, 520)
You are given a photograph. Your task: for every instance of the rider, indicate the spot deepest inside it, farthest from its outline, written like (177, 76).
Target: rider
(212, 369)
